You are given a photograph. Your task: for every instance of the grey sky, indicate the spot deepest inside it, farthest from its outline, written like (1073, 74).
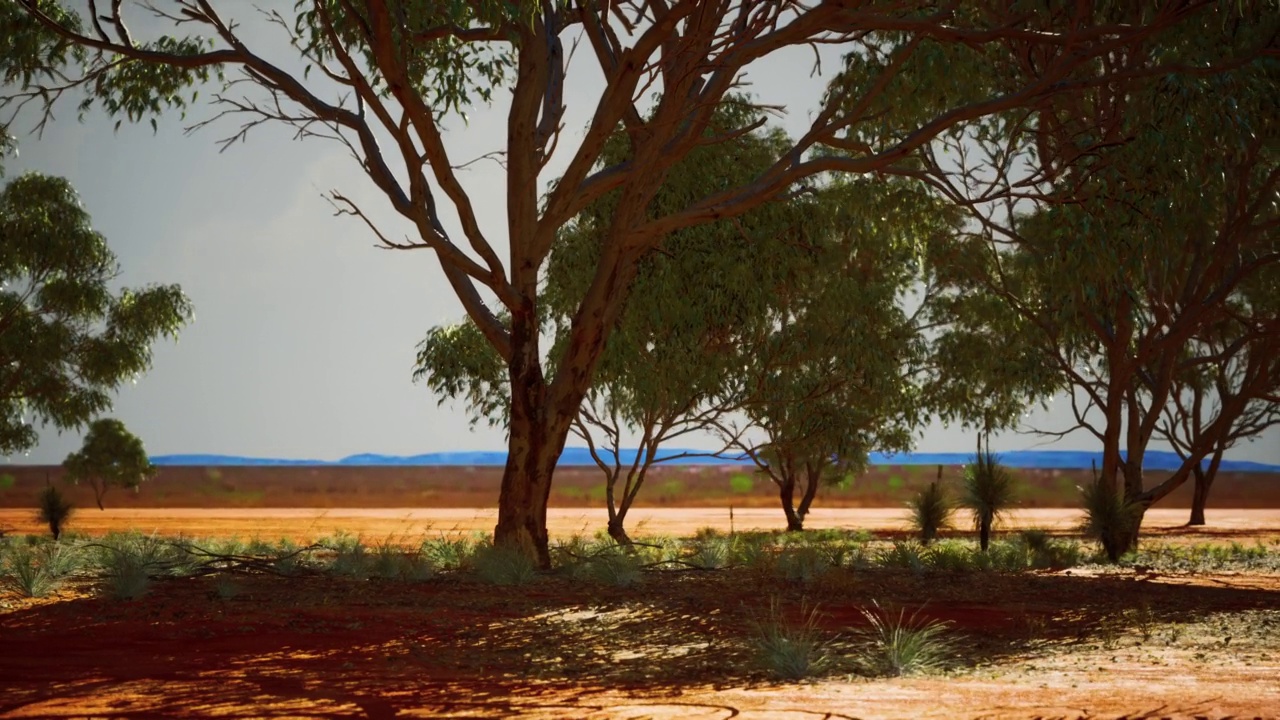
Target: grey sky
(304, 335)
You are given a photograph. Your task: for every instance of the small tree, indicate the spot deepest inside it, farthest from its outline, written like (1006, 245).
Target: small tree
(54, 510)
(988, 492)
(111, 457)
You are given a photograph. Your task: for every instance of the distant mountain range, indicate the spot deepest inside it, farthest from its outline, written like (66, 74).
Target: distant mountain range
(1048, 459)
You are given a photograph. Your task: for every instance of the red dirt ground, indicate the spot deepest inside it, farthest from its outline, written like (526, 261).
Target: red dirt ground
(1040, 645)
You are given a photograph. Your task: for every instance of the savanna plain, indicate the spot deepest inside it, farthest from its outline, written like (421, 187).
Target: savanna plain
(221, 605)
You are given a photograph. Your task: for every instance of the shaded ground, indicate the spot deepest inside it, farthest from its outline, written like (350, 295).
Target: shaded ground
(1046, 644)
(307, 524)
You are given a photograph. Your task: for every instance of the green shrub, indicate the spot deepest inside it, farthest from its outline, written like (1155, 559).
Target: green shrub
(504, 566)
(30, 571)
(741, 483)
(901, 644)
(989, 492)
(950, 556)
(448, 554)
(54, 510)
(907, 555)
(390, 562)
(802, 563)
(711, 552)
(1110, 519)
(614, 567)
(789, 652)
(127, 573)
(930, 512)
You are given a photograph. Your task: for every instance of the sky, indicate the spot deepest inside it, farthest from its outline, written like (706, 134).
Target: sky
(304, 334)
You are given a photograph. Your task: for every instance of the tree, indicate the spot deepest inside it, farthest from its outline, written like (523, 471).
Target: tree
(111, 457)
(1154, 229)
(832, 371)
(1229, 396)
(66, 341)
(383, 77)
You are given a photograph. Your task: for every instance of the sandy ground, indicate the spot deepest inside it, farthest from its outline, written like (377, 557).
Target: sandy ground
(377, 524)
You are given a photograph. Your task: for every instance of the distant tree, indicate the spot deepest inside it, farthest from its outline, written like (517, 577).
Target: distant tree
(387, 78)
(111, 457)
(67, 342)
(1231, 394)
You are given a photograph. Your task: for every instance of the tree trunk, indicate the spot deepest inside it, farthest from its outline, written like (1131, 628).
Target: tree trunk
(1204, 482)
(537, 435)
(618, 532)
(786, 492)
(984, 532)
(1198, 497)
(812, 476)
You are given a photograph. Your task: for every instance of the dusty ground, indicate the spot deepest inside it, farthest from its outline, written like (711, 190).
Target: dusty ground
(307, 524)
(1066, 644)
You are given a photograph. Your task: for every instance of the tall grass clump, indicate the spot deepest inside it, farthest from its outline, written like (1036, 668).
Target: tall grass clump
(988, 493)
(802, 563)
(612, 566)
(902, 644)
(501, 565)
(54, 510)
(36, 570)
(711, 551)
(931, 511)
(127, 573)
(391, 562)
(789, 651)
(1110, 519)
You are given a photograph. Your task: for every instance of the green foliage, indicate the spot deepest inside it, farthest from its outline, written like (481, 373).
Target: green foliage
(53, 510)
(502, 565)
(741, 484)
(711, 552)
(111, 457)
(787, 650)
(903, 644)
(7, 481)
(802, 563)
(612, 566)
(66, 342)
(448, 554)
(989, 492)
(931, 511)
(37, 570)
(1110, 518)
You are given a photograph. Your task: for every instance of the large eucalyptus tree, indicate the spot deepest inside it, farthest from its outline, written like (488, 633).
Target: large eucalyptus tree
(382, 76)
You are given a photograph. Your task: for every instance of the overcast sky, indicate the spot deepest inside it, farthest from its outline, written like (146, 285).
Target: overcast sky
(304, 333)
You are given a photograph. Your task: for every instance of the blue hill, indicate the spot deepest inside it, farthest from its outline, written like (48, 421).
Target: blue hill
(1047, 459)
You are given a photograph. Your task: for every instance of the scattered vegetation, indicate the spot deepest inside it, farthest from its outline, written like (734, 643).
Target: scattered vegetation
(789, 651)
(989, 493)
(902, 644)
(931, 511)
(54, 510)
(502, 565)
(1109, 518)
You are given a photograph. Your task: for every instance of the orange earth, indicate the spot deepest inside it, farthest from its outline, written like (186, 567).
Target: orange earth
(1065, 644)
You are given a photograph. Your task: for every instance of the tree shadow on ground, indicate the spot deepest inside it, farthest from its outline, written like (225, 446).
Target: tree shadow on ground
(322, 646)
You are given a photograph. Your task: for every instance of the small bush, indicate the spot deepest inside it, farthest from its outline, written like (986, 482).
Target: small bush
(907, 555)
(711, 551)
(226, 587)
(27, 571)
(53, 510)
(504, 566)
(447, 554)
(802, 563)
(613, 567)
(1110, 519)
(902, 644)
(790, 652)
(989, 492)
(391, 562)
(127, 574)
(350, 558)
(950, 556)
(930, 512)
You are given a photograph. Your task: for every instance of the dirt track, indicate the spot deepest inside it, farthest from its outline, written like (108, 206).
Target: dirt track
(374, 524)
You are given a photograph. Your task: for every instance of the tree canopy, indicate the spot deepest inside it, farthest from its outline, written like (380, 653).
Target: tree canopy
(110, 457)
(67, 340)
